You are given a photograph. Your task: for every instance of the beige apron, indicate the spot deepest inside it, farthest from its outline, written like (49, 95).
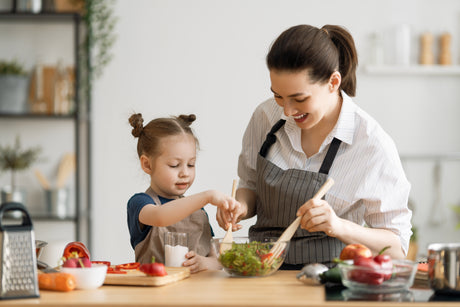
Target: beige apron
(280, 194)
(196, 225)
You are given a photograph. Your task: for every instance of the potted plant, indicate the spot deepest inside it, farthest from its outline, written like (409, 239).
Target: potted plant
(14, 83)
(14, 159)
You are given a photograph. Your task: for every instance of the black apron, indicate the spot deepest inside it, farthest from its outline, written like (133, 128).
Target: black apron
(280, 193)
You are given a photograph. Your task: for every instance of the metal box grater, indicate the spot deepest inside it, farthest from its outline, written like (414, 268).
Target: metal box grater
(18, 270)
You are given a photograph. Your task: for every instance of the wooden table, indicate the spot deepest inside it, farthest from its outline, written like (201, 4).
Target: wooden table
(208, 288)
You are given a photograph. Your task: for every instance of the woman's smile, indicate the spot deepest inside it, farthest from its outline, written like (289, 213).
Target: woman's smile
(300, 118)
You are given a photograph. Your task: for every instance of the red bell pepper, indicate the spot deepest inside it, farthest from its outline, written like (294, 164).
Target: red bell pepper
(112, 270)
(73, 249)
(385, 263)
(369, 273)
(128, 266)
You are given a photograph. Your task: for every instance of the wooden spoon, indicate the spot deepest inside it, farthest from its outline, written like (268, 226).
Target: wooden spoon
(66, 167)
(227, 241)
(280, 244)
(42, 179)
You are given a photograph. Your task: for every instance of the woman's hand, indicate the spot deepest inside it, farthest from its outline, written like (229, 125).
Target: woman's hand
(198, 263)
(318, 215)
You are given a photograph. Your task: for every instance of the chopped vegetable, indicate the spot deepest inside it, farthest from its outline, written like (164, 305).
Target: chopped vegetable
(128, 266)
(76, 247)
(154, 268)
(56, 281)
(74, 261)
(249, 259)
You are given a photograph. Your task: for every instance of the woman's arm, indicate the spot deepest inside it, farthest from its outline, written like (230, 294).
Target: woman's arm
(318, 215)
(176, 210)
(374, 238)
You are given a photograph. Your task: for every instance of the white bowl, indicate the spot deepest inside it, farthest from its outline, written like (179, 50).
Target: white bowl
(88, 278)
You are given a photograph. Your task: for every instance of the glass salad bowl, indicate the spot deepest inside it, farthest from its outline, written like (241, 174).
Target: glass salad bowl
(399, 277)
(245, 257)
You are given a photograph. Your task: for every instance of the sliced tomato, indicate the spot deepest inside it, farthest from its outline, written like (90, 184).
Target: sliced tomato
(128, 266)
(73, 249)
(266, 256)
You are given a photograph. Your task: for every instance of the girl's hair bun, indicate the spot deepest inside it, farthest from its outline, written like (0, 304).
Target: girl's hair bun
(188, 119)
(136, 121)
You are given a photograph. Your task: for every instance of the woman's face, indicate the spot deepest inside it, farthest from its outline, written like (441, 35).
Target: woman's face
(174, 169)
(306, 102)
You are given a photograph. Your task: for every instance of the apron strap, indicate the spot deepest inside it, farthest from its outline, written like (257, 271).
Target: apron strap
(271, 138)
(330, 156)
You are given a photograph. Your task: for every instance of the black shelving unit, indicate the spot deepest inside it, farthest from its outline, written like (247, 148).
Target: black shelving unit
(80, 118)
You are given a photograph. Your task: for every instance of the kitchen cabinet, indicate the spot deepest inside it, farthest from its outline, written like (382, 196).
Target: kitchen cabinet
(51, 37)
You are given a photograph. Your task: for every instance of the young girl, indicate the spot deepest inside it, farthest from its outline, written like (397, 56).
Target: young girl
(167, 152)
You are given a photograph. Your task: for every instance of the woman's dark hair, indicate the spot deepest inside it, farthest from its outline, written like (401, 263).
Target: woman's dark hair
(151, 134)
(321, 51)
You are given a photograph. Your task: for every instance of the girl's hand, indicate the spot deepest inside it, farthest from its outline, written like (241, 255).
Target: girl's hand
(229, 210)
(221, 200)
(318, 215)
(198, 263)
(224, 217)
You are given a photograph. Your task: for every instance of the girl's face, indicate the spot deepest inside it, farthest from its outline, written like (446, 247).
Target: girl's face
(306, 102)
(173, 171)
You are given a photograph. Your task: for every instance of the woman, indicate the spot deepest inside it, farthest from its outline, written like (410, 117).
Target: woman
(310, 130)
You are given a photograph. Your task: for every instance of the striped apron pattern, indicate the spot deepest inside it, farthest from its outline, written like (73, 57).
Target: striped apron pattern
(280, 194)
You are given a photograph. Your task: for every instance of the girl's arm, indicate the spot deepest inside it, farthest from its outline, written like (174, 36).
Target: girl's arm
(176, 210)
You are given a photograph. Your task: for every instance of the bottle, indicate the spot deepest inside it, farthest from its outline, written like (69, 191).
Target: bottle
(377, 49)
(426, 49)
(445, 56)
(403, 45)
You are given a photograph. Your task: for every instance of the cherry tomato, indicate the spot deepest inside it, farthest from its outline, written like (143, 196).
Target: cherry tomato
(153, 269)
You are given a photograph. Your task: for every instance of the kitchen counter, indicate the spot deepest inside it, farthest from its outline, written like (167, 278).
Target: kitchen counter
(207, 288)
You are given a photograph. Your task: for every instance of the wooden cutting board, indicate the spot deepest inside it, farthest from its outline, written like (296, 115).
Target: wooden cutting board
(137, 278)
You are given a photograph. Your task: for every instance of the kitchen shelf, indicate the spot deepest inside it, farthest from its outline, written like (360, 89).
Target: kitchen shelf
(36, 116)
(450, 156)
(417, 70)
(79, 118)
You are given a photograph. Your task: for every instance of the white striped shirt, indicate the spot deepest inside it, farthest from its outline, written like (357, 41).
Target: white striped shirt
(370, 185)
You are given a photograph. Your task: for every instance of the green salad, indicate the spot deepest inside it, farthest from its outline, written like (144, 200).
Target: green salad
(249, 259)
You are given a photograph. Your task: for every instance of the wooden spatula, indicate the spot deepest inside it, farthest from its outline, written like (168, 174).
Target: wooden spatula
(227, 241)
(280, 244)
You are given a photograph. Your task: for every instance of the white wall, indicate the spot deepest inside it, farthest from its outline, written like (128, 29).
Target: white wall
(207, 57)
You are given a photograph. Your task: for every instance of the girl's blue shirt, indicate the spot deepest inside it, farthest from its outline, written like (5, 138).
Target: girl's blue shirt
(135, 205)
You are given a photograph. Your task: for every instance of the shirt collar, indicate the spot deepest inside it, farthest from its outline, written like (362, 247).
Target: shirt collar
(345, 127)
